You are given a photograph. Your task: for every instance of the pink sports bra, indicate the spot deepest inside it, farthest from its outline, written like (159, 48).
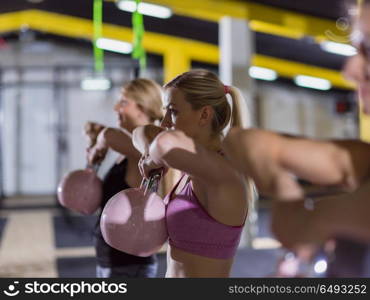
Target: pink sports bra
(192, 229)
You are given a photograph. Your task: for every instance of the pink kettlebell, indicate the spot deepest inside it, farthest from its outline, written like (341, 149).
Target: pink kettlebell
(133, 221)
(81, 191)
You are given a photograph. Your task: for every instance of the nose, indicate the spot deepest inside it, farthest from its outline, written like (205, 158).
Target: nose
(167, 122)
(355, 69)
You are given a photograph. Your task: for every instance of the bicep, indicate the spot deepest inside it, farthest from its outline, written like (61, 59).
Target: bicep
(325, 162)
(120, 141)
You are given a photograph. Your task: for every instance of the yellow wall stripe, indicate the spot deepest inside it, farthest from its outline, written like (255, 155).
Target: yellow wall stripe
(153, 42)
(364, 126)
(10, 22)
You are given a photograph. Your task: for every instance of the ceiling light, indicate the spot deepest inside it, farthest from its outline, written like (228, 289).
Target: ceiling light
(114, 45)
(145, 8)
(98, 83)
(312, 82)
(338, 48)
(262, 73)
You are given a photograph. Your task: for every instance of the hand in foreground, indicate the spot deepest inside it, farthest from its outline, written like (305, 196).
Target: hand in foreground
(147, 166)
(91, 131)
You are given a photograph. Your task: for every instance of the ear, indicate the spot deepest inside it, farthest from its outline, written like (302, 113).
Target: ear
(206, 115)
(141, 109)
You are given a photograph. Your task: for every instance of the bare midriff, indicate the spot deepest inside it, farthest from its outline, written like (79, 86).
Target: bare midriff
(181, 264)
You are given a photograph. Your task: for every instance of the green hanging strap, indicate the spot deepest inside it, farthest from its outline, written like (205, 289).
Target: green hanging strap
(98, 20)
(138, 29)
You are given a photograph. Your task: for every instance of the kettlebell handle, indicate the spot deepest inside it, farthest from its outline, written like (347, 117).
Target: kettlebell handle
(94, 167)
(151, 184)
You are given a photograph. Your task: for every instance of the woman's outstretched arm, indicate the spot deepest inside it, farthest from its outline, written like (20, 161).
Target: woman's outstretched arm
(271, 159)
(118, 140)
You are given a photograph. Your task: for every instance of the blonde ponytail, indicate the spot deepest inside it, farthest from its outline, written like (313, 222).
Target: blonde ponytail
(241, 118)
(240, 112)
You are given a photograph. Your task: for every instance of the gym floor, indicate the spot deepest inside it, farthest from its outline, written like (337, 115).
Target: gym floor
(39, 239)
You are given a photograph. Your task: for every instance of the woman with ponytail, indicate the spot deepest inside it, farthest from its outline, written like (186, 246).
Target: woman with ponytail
(207, 208)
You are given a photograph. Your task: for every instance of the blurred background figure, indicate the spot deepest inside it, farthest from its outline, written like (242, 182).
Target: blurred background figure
(140, 104)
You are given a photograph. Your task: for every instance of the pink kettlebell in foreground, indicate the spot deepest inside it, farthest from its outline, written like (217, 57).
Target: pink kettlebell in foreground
(133, 221)
(81, 191)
